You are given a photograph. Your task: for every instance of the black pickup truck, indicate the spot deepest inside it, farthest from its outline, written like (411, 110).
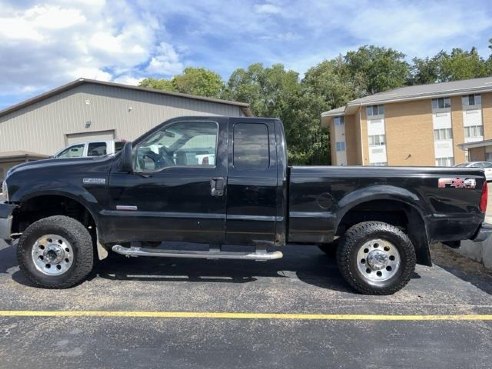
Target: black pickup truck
(225, 181)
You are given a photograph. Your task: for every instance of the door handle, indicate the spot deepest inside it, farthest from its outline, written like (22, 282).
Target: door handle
(217, 185)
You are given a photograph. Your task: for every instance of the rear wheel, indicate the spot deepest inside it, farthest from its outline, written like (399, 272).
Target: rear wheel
(376, 258)
(56, 252)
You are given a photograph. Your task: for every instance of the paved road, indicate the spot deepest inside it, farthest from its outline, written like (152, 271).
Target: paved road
(304, 282)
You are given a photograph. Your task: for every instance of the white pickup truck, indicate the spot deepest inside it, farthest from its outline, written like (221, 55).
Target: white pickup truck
(94, 148)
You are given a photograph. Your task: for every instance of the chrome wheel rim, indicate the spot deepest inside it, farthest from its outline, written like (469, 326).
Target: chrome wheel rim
(378, 260)
(52, 255)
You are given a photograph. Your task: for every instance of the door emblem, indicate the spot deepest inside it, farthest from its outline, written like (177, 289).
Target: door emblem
(96, 181)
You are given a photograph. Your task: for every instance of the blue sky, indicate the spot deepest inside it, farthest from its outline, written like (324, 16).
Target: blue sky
(44, 44)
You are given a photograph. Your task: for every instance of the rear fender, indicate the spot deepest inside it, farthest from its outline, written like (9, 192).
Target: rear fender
(411, 204)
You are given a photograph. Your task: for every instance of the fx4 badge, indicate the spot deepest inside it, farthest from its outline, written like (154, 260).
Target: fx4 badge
(457, 183)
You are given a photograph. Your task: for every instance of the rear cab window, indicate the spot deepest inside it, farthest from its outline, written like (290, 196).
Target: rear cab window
(251, 148)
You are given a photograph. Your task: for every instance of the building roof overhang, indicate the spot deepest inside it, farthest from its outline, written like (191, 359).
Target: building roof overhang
(8, 156)
(472, 145)
(414, 93)
(245, 108)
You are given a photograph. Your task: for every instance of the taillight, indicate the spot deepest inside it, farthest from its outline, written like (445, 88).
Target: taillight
(483, 199)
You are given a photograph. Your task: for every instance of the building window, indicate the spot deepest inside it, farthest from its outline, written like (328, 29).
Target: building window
(339, 121)
(443, 134)
(340, 146)
(376, 140)
(375, 110)
(473, 131)
(441, 103)
(380, 164)
(445, 162)
(471, 100)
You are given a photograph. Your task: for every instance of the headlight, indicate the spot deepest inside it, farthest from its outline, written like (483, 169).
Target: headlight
(5, 190)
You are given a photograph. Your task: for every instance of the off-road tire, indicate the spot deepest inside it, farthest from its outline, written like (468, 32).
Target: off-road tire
(352, 242)
(80, 241)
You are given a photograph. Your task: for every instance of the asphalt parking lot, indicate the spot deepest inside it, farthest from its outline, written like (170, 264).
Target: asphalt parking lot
(177, 313)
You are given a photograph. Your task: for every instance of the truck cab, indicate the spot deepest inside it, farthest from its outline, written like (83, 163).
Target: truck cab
(214, 180)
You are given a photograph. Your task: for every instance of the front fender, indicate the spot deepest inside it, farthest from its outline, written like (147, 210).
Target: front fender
(77, 193)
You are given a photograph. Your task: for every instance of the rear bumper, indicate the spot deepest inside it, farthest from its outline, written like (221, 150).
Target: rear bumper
(483, 233)
(6, 217)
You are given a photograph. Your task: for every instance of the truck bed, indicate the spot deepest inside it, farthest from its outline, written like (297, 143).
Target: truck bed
(320, 197)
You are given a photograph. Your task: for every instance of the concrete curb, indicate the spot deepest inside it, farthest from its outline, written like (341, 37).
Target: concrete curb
(480, 251)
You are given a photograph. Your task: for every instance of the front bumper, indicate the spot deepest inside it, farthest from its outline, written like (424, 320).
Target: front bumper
(6, 217)
(483, 233)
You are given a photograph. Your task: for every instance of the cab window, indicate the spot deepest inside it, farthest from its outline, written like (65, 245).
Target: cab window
(179, 144)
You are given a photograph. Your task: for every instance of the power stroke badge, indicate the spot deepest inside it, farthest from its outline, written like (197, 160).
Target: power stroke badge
(456, 183)
(94, 181)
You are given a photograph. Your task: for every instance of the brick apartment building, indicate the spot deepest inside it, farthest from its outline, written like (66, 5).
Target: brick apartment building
(418, 125)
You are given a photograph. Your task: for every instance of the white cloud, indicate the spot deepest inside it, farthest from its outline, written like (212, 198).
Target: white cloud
(128, 80)
(165, 62)
(267, 9)
(54, 41)
(33, 23)
(52, 17)
(45, 43)
(92, 73)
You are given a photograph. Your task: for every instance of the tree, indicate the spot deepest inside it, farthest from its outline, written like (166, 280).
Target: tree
(330, 80)
(375, 69)
(199, 81)
(445, 67)
(489, 60)
(462, 64)
(425, 70)
(265, 89)
(277, 92)
(193, 81)
(158, 84)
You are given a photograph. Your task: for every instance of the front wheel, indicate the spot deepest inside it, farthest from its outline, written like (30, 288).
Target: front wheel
(376, 258)
(55, 252)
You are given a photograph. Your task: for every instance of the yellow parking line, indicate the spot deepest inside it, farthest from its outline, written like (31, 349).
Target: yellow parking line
(231, 315)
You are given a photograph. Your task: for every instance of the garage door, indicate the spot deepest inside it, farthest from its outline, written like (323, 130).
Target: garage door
(74, 138)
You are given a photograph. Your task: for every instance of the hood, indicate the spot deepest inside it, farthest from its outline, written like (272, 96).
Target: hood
(54, 162)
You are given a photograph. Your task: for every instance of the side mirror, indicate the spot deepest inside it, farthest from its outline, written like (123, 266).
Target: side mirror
(126, 164)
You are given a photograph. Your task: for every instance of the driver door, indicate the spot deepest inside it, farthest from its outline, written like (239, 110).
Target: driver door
(177, 189)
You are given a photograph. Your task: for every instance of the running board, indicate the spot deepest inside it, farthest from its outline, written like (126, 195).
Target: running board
(141, 251)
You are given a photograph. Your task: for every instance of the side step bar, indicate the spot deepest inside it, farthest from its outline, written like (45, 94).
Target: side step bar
(190, 254)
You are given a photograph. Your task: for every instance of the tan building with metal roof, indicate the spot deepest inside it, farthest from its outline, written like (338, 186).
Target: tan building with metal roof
(417, 125)
(88, 110)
